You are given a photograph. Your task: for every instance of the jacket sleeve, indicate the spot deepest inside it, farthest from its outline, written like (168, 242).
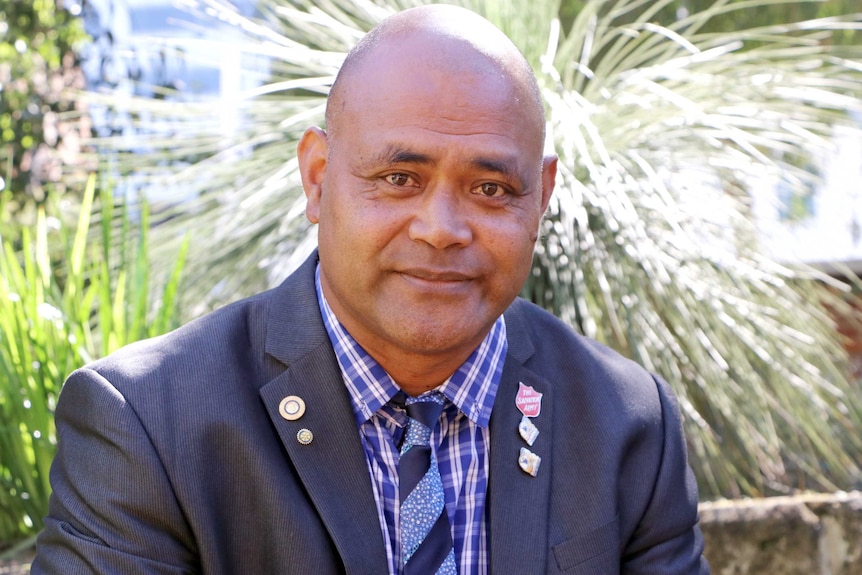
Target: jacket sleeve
(112, 509)
(668, 540)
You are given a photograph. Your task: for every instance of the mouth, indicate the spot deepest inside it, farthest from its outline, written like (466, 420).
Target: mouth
(435, 276)
(438, 283)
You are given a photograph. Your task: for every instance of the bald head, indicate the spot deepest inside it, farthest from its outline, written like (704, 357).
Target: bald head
(443, 38)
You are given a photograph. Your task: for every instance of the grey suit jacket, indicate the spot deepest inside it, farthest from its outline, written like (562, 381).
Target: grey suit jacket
(173, 457)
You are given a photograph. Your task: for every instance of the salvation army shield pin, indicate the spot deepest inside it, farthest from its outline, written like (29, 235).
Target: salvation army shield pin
(528, 401)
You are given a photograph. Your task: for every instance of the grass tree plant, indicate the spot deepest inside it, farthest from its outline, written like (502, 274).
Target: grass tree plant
(649, 244)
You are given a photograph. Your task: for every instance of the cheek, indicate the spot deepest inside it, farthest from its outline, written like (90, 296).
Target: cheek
(512, 247)
(514, 235)
(361, 228)
(512, 251)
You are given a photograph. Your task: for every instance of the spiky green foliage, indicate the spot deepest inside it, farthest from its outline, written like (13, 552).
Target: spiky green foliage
(65, 299)
(649, 244)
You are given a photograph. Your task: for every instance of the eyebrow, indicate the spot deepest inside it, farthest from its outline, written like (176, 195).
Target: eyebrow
(397, 154)
(507, 167)
(501, 167)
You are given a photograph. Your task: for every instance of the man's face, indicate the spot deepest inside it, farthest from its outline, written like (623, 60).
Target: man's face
(428, 195)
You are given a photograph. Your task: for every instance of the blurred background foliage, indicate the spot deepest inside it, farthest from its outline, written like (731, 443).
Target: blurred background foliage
(743, 15)
(663, 112)
(41, 131)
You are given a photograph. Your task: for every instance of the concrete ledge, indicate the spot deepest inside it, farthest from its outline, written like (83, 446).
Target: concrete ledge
(812, 534)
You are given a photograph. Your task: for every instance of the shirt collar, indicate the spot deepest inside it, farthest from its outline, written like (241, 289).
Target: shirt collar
(472, 388)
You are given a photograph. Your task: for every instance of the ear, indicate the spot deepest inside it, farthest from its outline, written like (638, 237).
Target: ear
(312, 154)
(549, 179)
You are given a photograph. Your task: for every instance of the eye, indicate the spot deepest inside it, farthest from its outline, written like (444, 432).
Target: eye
(397, 179)
(490, 190)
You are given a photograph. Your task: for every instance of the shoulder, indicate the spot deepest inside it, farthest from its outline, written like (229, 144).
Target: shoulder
(558, 352)
(209, 370)
(612, 397)
(240, 338)
(202, 344)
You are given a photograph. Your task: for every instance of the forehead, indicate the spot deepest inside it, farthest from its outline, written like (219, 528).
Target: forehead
(443, 89)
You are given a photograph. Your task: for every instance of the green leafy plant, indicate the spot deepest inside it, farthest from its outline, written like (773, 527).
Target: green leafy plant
(66, 297)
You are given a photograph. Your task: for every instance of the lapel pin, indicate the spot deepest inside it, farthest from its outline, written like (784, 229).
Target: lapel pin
(529, 432)
(304, 436)
(529, 461)
(291, 407)
(528, 401)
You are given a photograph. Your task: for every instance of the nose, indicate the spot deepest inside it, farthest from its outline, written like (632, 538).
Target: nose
(441, 220)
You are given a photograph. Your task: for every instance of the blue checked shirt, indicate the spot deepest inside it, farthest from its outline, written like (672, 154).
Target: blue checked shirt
(461, 441)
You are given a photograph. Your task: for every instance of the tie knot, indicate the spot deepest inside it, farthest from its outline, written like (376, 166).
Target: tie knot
(425, 409)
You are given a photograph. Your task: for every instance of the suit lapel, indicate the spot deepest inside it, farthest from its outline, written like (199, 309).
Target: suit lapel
(332, 467)
(517, 502)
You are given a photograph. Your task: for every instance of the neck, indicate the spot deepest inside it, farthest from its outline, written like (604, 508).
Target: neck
(415, 374)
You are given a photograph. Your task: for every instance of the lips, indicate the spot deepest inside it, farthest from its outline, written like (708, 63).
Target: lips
(432, 275)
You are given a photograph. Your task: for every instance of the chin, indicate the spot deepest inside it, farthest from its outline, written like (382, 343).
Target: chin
(428, 340)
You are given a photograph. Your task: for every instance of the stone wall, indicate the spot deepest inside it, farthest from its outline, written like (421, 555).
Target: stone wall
(817, 534)
(848, 323)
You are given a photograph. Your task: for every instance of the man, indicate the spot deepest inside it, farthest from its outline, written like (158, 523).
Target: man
(277, 435)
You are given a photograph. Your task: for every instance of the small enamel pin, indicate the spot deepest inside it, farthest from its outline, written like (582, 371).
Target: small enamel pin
(291, 407)
(529, 461)
(304, 436)
(529, 432)
(528, 401)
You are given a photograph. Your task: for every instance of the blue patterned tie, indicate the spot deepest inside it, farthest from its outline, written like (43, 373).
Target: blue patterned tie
(426, 539)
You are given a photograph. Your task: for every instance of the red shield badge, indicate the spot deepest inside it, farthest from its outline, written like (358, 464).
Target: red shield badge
(528, 400)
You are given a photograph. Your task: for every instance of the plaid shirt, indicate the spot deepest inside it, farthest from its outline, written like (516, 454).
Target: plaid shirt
(461, 440)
